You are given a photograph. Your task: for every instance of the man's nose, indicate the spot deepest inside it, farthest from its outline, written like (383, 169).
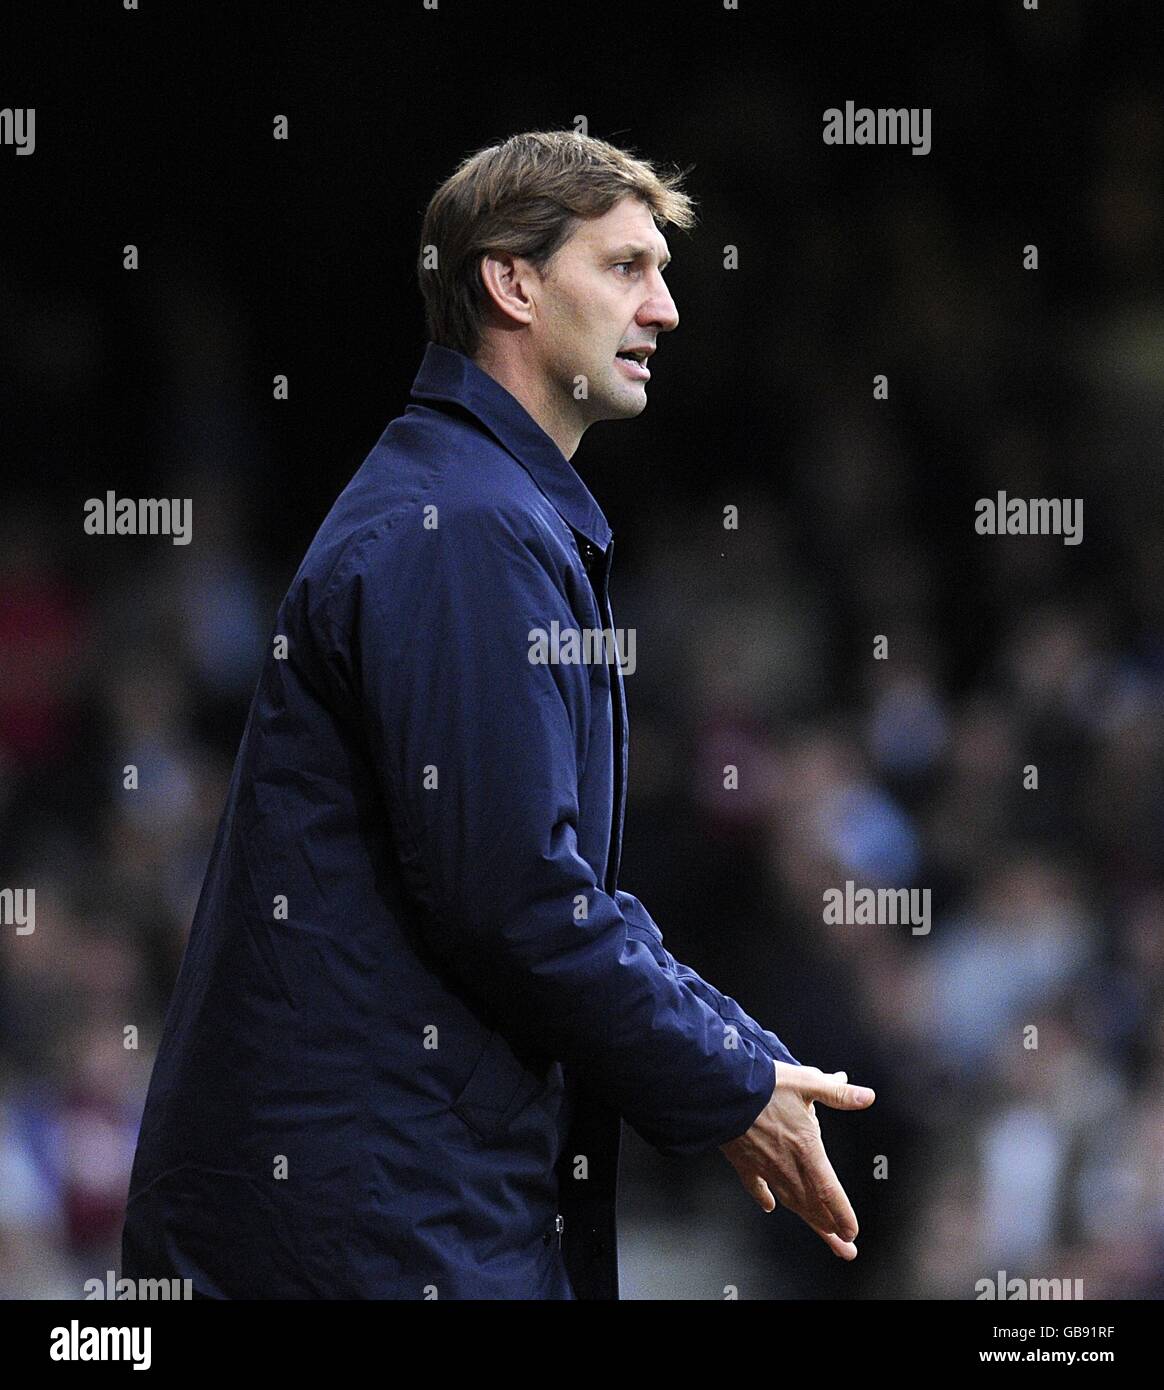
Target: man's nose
(659, 309)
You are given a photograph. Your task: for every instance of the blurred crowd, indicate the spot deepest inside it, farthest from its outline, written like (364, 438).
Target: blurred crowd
(1017, 1048)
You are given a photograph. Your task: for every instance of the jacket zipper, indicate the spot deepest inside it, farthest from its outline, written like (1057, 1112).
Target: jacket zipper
(612, 854)
(602, 594)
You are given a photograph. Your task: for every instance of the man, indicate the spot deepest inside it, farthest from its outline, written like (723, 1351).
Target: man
(415, 1004)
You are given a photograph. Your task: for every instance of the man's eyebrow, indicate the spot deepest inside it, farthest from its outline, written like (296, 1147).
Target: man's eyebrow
(633, 251)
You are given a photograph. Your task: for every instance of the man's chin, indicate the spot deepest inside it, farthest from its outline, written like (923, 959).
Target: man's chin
(623, 404)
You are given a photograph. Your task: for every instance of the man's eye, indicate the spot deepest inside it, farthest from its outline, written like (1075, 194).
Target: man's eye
(620, 264)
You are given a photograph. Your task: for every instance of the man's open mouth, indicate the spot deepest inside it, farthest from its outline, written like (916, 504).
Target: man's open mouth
(635, 362)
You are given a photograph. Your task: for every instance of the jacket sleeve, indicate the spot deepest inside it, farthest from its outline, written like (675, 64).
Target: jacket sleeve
(640, 921)
(477, 751)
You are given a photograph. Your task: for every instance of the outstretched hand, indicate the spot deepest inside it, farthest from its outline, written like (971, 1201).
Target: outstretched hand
(783, 1153)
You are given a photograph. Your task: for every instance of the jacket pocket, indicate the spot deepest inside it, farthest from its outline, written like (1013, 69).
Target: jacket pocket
(499, 1088)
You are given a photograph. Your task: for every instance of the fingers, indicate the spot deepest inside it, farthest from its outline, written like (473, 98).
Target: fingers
(843, 1249)
(827, 1207)
(758, 1190)
(831, 1088)
(794, 1159)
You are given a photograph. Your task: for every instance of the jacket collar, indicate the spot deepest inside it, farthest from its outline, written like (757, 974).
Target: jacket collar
(448, 375)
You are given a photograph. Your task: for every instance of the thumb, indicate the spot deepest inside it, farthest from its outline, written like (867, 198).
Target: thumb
(833, 1089)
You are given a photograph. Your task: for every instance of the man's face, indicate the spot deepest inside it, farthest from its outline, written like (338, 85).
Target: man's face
(603, 294)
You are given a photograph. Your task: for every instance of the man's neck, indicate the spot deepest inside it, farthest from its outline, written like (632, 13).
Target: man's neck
(535, 398)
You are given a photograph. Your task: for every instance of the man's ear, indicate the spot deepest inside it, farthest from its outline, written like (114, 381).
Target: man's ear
(507, 280)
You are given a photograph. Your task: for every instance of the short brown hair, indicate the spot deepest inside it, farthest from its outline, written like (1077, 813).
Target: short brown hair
(526, 197)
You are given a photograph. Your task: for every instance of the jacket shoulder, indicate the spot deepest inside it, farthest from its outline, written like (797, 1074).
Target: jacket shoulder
(437, 497)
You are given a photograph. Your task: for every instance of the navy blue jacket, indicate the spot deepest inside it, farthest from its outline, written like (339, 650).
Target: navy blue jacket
(415, 1006)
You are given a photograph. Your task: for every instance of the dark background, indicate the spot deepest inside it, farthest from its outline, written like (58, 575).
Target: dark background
(754, 647)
